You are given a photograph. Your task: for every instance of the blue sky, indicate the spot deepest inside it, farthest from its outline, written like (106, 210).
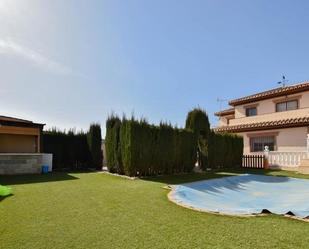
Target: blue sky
(68, 63)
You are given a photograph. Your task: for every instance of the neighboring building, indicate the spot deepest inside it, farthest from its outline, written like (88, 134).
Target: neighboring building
(20, 136)
(20, 147)
(278, 118)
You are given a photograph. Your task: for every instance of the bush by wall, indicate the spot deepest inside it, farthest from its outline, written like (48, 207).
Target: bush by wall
(147, 149)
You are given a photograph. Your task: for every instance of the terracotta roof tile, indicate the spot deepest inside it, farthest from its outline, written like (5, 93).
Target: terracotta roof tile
(282, 123)
(280, 91)
(225, 112)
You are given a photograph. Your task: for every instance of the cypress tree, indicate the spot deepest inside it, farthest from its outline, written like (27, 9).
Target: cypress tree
(112, 144)
(197, 121)
(94, 138)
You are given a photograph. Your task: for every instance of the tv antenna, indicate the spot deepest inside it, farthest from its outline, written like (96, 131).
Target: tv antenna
(283, 81)
(220, 102)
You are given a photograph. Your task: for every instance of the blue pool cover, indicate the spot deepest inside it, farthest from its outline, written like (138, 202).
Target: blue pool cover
(246, 194)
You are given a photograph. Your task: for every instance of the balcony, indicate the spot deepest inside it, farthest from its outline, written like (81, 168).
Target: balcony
(303, 112)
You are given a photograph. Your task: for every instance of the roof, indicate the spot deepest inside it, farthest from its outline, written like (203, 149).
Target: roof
(275, 124)
(5, 120)
(276, 92)
(225, 112)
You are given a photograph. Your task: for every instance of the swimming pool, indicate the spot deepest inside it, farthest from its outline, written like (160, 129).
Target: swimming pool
(245, 194)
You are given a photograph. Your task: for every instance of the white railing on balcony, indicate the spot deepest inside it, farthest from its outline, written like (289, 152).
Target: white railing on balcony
(286, 159)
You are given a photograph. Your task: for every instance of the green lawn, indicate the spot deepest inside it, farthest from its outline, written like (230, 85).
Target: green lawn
(95, 210)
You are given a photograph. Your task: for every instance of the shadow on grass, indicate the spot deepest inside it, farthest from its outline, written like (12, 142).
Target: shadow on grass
(4, 197)
(25, 179)
(192, 177)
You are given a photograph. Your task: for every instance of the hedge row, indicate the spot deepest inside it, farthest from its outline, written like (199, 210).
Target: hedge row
(225, 150)
(134, 147)
(74, 150)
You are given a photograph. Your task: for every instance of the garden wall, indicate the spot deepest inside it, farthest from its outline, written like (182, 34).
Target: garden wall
(24, 163)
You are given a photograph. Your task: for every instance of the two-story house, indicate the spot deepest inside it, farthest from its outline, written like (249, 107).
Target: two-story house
(278, 118)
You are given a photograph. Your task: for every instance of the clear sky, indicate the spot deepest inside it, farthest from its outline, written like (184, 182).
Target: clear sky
(68, 63)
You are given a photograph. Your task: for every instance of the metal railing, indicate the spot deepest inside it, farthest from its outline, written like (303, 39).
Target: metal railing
(253, 161)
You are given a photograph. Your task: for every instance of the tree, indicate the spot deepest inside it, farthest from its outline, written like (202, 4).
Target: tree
(197, 121)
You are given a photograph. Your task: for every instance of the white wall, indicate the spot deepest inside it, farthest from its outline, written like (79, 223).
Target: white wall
(268, 106)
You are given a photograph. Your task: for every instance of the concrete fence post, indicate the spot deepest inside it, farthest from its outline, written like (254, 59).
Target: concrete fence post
(266, 154)
(308, 146)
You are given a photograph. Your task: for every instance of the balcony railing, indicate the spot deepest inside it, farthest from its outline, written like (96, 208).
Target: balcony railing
(286, 159)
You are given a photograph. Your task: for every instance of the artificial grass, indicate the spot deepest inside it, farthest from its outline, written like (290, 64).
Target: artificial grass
(95, 210)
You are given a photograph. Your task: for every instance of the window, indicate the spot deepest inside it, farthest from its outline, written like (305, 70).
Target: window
(287, 106)
(258, 144)
(251, 111)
